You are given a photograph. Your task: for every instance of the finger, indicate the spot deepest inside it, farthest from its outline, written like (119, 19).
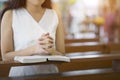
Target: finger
(51, 42)
(46, 37)
(45, 34)
(48, 41)
(43, 37)
(42, 42)
(49, 46)
(50, 37)
(46, 47)
(45, 42)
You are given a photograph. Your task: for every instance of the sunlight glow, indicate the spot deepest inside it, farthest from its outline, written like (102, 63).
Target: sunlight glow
(91, 3)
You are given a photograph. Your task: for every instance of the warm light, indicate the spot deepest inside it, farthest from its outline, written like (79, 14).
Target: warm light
(91, 3)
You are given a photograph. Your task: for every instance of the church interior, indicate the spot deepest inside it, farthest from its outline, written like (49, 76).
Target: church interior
(92, 41)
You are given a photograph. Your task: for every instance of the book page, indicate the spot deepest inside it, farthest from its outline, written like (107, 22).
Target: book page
(30, 59)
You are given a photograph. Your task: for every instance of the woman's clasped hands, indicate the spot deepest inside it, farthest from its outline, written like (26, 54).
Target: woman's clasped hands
(45, 45)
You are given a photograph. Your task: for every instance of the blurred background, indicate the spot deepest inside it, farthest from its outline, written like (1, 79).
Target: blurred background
(91, 19)
(88, 19)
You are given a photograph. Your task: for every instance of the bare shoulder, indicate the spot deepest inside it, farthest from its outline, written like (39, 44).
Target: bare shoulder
(7, 18)
(8, 13)
(57, 9)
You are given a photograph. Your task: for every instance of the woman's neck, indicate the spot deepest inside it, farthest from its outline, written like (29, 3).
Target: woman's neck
(34, 8)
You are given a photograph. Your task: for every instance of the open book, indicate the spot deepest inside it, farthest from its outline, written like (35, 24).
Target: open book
(40, 58)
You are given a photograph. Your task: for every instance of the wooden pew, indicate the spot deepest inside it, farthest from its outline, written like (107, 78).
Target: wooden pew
(114, 47)
(85, 47)
(81, 40)
(76, 61)
(93, 74)
(5, 66)
(92, 46)
(82, 65)
(82, 45)
(106, 48)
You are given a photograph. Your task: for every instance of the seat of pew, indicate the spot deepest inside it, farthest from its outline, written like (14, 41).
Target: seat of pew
(85, 47)
(92, 74)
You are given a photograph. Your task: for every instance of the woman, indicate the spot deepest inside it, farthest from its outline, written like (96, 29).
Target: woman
(31, 27)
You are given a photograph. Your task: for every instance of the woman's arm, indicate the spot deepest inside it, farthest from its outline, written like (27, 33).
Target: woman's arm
(7, 44)
(7, 48)
(60, 42)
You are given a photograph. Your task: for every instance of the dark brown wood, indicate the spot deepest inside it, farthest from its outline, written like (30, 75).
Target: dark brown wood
(95, 57)
(92, 46)
(94, 74)
(114, 47)
(85, 65)
(12, 63)
(74, 59)
(4, 70)
(83, 47)
(89, 61)
(116, 65)
(6, 65)
(81, 40)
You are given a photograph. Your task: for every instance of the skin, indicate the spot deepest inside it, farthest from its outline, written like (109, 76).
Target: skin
(45, 42)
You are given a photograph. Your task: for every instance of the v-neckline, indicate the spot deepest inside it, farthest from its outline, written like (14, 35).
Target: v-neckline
(41, 19)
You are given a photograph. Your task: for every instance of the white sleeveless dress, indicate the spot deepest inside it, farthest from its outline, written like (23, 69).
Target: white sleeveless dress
(26, 32)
